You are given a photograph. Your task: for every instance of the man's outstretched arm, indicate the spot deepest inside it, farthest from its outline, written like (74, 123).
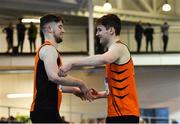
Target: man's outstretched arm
(48, 55)
(109, 57)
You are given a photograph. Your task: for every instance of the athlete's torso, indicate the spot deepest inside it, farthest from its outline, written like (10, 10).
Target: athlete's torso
(47, 95)
(122, 98)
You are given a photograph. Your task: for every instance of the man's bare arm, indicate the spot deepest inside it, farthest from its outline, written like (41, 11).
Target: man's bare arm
(113, 54)
(74, 90)
(48, 55)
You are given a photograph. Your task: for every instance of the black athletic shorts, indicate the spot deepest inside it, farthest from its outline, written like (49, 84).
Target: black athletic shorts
(123, 119)
(45, 116)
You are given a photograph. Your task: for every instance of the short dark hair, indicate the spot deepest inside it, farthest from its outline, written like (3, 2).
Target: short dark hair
(110, 20)
(49, 18)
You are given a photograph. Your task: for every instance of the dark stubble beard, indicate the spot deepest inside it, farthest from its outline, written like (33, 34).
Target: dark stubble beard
(58, 39)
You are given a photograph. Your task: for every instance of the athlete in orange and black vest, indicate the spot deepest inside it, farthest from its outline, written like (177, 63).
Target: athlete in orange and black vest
(123, 106)
(48, 86)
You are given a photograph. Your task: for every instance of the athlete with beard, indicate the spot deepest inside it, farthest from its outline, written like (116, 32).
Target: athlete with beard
(48, 86)
(123, 106)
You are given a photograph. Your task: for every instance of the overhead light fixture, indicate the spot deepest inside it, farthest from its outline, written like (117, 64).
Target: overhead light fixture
(107, 6)
(166, 7)
(30, 20)
(19, 95)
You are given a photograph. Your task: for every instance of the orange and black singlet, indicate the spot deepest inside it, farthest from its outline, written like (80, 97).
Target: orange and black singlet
(122, 98)
(47, 95)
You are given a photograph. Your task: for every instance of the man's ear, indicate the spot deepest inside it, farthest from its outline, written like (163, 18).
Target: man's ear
(49, 29)
(112, 30)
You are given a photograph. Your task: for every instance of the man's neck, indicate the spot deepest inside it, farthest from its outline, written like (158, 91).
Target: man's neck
(51, 39)
(112, 40)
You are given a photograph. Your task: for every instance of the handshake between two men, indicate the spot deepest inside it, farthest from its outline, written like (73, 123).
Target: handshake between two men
(82, 92)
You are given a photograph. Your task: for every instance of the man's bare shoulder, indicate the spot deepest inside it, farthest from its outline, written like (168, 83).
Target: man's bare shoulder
(46, 50)
(120, 43)
(119, 46)
(122, 51)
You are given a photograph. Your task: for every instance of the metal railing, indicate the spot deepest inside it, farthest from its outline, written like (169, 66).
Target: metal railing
(127, 36)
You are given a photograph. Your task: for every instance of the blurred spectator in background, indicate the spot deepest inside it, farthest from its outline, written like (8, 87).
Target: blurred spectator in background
(92, 120)
(32, 34)
(165, 33)
(148, 32)
(20, 34)
(138, 35)
(12, 119)
(3, 120)
(174, 121)
(9, 36)
(101, 120)
(42, 37)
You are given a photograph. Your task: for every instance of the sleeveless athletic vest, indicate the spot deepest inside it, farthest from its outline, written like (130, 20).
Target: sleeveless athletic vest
(47, 95)
(122, 98)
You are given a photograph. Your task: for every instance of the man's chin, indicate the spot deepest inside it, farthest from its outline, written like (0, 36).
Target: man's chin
(59, 41)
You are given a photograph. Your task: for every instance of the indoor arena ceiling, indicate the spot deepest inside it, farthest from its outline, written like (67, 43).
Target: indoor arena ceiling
(130, 10)
(10, 10)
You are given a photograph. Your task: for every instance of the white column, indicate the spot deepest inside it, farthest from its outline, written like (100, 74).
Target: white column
(154, 5)
(177, 8)
(120, 5)
(91, 27)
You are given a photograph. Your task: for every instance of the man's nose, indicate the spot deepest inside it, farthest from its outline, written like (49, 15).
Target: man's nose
(97, 33)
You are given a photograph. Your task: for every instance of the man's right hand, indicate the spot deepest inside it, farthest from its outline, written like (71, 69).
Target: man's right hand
(85, 90)
(93, 93)
(77, 92)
